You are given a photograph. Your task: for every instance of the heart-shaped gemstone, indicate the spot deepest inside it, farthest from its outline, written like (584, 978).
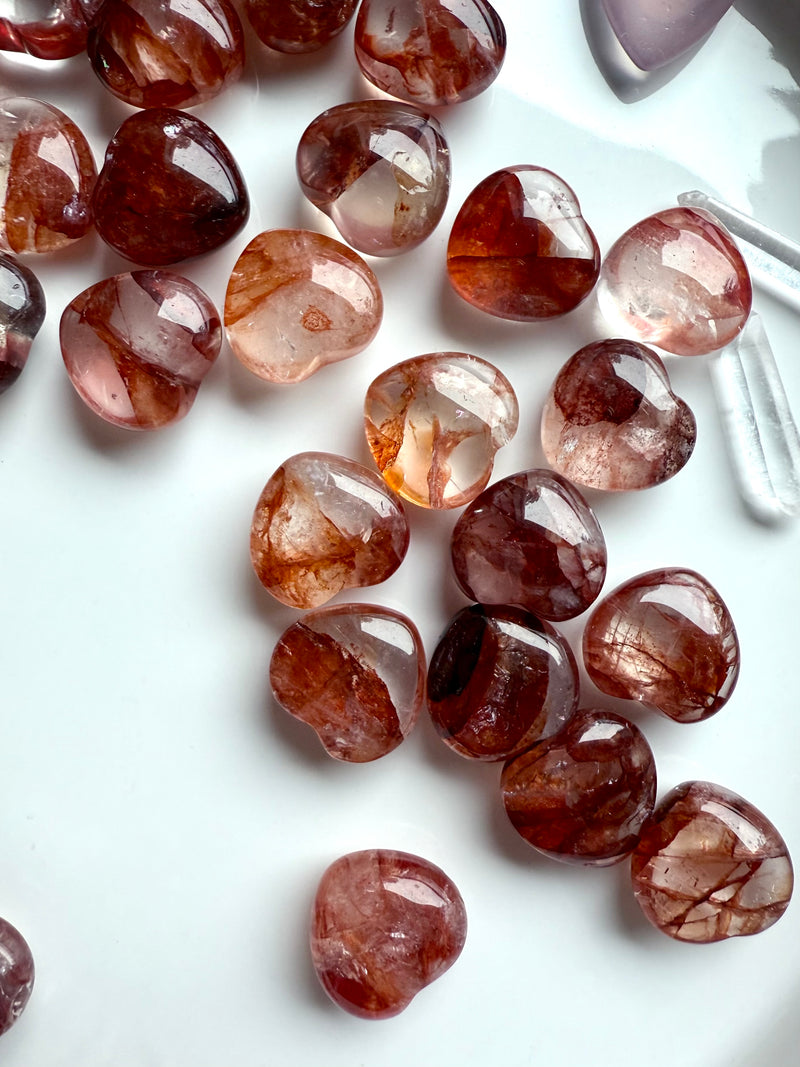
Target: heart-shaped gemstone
(298, 25)
(654, 33)
(22, 311)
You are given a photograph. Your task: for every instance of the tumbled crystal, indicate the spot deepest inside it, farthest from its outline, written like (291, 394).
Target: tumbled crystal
(380, 169)
(520, 248)
(583, 795)
(323, 524)
(532, 541)
(666, 639)
(137, 347)
(298, 25)
(169, 189)
(298, 300)
(430, 52)
(654, 33)
(385, 924)
(710, 866)
(677, 280)
(611, 420)
(47, 29)
(22, 311)
(498, 681)
(16, 975)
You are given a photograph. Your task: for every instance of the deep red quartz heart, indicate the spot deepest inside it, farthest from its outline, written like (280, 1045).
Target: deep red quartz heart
(298, 25)
(16, 975)
(22, 311)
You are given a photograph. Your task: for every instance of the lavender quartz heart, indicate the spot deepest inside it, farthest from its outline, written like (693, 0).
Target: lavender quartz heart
(22, 311)
(654, 32)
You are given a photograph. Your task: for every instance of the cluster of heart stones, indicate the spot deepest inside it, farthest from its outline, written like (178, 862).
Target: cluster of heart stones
(578, 783)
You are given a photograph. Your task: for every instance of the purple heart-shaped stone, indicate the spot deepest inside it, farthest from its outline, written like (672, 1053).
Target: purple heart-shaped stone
(653, 33)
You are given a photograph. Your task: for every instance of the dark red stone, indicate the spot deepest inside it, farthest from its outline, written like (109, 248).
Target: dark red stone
(299, 25)
(47, 29)
(16, 975)
(22, 311)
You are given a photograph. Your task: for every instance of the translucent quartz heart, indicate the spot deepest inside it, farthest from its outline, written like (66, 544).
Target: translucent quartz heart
(519, 247)
(611, 420)
(16, 975)
(654, 33)
(384, 925)
(430, 52)
(499, 680)
(323, 524)
(532, 541)
(47, 29)
(169, 189)
(297, 300)
(434, 424)
(356, 674)
(22, 311)
(156, 53)
(676, 280)
(138, 346)
(666, 639)
(583, 795)
(48, 177)
(710, 866)
(298, 25)
(380, 170)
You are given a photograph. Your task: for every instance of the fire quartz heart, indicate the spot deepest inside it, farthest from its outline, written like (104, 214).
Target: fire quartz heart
(298, 25)
(611, 420)
(654, 33)
(709, 865)
(384, 925)
(520, 248)
(677, 280)
(380, 169)
(16, 975)
(22, 311)
(47, 29)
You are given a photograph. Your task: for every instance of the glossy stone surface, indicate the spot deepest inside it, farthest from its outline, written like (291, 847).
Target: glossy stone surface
(298, 300)
(430, 52)
(380, 169)
(654, 33)
(47, 174)
(156, 53)
(583, 795)
(16, 975)
(384, 925)
(323, 524)
(520, 248)
(611, 420)
(677, 280)
(47, 29)
(169, 189)
(710, 866)
(499, 680)
(666, 639)
(434, 424)
(22, 311)
(138, 346)
(532, 541)
(298, 25)
(356, 674)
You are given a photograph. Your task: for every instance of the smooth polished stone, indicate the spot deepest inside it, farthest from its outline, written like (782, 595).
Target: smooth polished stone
(583, 795)
(677, 280)
(16, 975)
(356, 674)
(138, 346)
(169, 189)
(532, 541)
(46, 29)
(156, 53)
(380, 169)
(611, 420)
(323, 524)
(654, 33)
(298, 300)
(299, 25)
(499, 680)
(666, 639)
(710, 866)
(430, 52)
(22, 311)
(520, 248)
(47, 174)
(434, 424)
(384, 925)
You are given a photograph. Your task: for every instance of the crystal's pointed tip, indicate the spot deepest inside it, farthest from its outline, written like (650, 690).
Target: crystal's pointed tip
(693, 198)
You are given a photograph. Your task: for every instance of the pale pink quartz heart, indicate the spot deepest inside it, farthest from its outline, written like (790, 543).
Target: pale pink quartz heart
(654, 32)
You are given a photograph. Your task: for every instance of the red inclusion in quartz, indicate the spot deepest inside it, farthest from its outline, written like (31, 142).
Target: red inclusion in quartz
(22, 311)
(299, 25)
(53, 31)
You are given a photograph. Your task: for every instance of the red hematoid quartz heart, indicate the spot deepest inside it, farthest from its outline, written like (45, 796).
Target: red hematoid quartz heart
(22, 311)
(710, 866)
(499, 680)
(47, 29)
(356, 674)
(666, 639)
(611, 420)
(532, 541)
(48, 177)
(380, 169)
(16, 975)
(297, 300)
(676, 280)
(430, 52)
(298, 25)
(385, 924)
(323, 524)
(584, 795)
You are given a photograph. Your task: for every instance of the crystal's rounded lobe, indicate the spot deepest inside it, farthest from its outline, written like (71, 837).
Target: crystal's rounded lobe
(611, 420)
(654, 33)
(298, 25)
(298, 300)
(380, 169)
(384, 925)
(709, 865)
(16, 975)
(532, 541)
(666, 639)
(22, 311)
(48, 29)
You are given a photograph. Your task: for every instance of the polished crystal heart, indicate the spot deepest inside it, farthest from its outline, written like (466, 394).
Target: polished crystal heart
(298, 25)
(47, 29)
(22, 311)
(654, 32)
(16, 974)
